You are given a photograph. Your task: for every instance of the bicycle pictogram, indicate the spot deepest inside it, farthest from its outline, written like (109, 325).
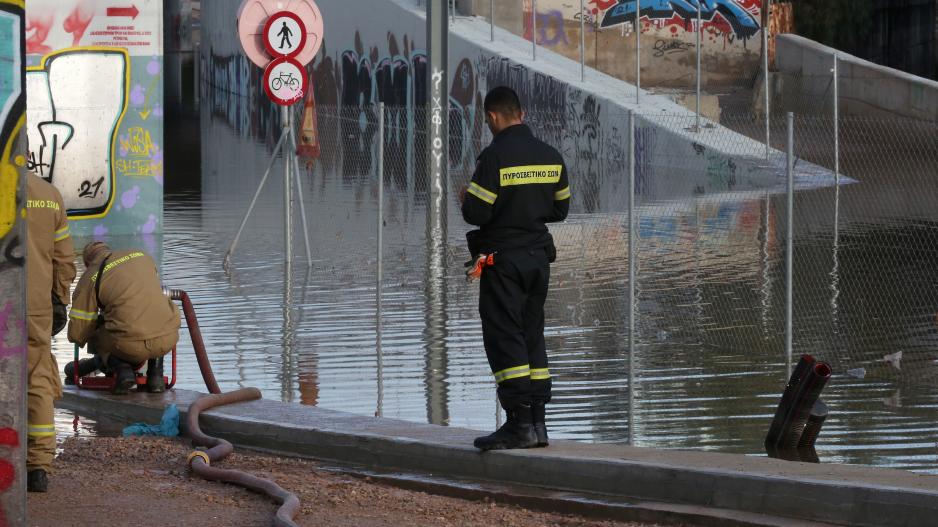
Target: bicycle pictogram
(285, 78)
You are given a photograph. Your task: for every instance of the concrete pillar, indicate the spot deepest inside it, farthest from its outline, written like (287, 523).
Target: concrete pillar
(12, 267)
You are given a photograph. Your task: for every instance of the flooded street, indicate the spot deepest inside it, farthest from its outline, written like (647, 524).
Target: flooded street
(709, 364)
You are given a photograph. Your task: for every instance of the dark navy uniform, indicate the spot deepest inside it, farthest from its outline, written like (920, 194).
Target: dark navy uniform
(520, 183)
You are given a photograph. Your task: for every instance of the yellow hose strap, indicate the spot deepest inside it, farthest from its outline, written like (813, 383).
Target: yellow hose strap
(200, 454)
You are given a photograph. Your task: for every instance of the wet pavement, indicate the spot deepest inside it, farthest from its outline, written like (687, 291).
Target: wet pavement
(651, 483)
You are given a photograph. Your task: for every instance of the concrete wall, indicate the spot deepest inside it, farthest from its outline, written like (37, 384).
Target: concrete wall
(731, 39)
(95, 111)
(804, 74)
(382, 58)
(12, 271)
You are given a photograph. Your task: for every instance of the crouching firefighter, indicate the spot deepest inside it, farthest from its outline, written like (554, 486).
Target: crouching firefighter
(120, 311)
(520, 183)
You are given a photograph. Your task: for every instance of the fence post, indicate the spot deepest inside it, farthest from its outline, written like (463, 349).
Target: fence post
(380, 261)
(492, 20)
(765, 74)
(638, 53)
(632, 266)
(582, 42)
(699, 30)
(836, 121)
(533, 29)
(789, 247)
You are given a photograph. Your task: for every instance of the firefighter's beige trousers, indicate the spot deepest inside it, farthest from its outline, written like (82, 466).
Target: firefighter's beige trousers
(44, 387)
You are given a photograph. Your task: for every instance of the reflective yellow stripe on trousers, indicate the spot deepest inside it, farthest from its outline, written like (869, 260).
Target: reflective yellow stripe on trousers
(512, 373)
(40, 430)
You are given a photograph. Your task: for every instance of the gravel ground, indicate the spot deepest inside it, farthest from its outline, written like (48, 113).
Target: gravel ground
(129, 481)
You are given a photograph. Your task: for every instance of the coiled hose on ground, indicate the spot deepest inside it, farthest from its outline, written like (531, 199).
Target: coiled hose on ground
(200, 460)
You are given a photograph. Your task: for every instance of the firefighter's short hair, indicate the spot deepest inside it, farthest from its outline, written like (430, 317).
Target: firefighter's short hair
(503, 100)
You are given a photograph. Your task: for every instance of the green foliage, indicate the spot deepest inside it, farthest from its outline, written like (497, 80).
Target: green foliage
(842, 24)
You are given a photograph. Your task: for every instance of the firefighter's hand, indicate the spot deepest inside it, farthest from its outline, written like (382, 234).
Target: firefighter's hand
(462, 194)
(59, 315)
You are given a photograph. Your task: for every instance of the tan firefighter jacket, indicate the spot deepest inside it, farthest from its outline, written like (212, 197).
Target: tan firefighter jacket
(132, 300)
(50, 255)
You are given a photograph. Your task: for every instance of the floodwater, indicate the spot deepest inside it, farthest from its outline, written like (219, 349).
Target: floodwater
(709, 362)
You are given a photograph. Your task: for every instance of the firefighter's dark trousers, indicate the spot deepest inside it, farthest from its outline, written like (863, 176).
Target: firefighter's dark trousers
(511, 304)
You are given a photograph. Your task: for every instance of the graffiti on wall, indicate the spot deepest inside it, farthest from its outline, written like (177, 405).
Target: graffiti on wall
(73, 123)
(12, 323)
(739, 18)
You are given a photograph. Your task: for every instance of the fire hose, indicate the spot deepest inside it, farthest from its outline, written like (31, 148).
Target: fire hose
(197, 343)
(200, 460)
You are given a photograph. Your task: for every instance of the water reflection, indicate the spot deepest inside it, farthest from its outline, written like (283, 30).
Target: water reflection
(710, 364)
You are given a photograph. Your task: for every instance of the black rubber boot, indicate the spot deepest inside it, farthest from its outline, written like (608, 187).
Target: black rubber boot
(85, 367)
(155, 382)
(37, 481)
(124, 376)
(538, 415)
(517, 432)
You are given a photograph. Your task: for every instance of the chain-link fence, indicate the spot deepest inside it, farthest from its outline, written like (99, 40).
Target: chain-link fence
(709, 358)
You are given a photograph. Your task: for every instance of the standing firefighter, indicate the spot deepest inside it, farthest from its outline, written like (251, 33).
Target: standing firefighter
(50, 270)
(520, 183)
(119, 309)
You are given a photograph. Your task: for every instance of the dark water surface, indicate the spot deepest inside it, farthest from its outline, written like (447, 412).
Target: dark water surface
(709, 364)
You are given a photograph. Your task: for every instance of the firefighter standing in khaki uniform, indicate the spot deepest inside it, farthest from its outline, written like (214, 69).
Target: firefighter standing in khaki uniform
(120, 310)
(50, 270)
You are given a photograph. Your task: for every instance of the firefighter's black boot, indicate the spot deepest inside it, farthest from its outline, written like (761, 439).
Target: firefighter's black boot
(538, 415)
(85, 367)
(155, 381)
(517, 432)
(37, 481)
(124, 376)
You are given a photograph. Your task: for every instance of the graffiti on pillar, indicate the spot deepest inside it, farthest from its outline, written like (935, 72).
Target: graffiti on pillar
(739, 18)
(95, 110)
(73, 123)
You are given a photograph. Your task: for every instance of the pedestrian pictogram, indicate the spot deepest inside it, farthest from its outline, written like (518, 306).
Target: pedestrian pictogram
(265, 36)
(284, 34)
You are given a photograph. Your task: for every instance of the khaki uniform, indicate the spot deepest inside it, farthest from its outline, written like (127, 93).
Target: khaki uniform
(50, 269)
(140, 322)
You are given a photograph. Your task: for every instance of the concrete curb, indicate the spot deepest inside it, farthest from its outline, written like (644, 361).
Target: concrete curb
(837, 494)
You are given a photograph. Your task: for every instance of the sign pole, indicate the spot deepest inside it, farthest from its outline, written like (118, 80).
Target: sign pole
(299, 194)
(287, 118)
(288, 45)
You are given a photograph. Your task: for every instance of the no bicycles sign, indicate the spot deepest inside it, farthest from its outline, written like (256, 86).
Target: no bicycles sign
(285, 81)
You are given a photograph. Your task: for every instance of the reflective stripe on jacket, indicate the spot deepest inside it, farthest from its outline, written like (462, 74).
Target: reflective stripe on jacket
(520, 183)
